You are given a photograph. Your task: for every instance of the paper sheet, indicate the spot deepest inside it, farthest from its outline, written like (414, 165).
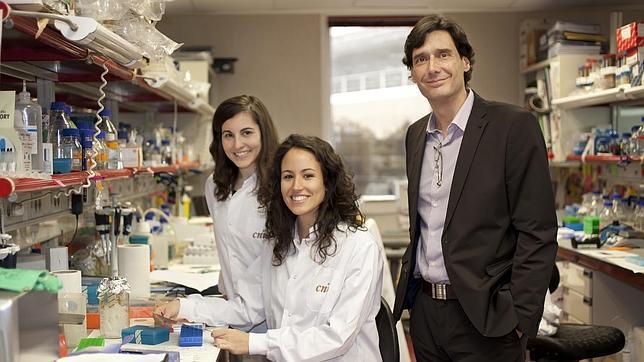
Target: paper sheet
(109, 357)
(198, 281)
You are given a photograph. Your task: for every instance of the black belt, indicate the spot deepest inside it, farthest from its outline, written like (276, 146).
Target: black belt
(438, 291)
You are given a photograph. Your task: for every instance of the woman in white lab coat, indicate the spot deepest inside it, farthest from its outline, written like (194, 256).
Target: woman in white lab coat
(318, 283)
(244, 141)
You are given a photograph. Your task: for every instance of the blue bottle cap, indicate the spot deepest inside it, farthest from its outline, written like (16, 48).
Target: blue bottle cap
(57, 106)
(73, 132)
(105, 113)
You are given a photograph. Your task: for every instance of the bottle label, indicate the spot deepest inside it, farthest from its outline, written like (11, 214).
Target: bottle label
(33, 135)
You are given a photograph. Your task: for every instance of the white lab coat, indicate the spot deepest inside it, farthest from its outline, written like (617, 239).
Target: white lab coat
(239, 231)
(314, 312)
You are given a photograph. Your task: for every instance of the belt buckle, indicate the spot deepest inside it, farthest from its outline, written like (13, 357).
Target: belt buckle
(439, 292)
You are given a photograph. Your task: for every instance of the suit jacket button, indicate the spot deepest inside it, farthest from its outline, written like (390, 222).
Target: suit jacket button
(444, 241)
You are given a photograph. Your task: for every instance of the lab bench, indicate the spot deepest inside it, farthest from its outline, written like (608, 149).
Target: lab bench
(600, 287)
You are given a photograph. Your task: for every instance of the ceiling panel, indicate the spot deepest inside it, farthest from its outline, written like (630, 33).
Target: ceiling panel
(215, 6)
(549, 4)
(295, 5)
(391, 4)
(366, 7)
(469, 4)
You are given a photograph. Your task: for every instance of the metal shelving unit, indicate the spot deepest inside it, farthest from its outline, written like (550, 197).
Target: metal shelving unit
(52, 57)
(38, 210)
(603, 97)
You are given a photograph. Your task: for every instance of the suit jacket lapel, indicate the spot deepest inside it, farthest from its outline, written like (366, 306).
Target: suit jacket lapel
(416, 164)
(473, 132)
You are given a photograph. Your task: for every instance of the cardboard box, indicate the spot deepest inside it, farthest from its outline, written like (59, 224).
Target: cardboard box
(630, 36)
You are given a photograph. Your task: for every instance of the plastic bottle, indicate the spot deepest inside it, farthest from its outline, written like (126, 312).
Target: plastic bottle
(607, 216)
(114, 157)
(638, 217)
(184, 210)
(166, 152)
(595, 204)
(29, 115)
(640, 138)
(619, 213)
(3, 149)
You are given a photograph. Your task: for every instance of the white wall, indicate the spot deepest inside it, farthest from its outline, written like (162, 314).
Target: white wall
(283, 58)
(279, 62)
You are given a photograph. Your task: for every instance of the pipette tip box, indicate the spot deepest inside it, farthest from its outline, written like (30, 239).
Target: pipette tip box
(191, 335)
(146, 335)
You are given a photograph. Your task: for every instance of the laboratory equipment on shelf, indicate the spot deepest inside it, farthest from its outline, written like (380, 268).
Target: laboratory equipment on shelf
(28, 116)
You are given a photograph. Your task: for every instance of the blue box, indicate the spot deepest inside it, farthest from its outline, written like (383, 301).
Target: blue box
(146, 335)
(191, 335)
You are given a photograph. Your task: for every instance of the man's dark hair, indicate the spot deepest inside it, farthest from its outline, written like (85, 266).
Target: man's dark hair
(428, 24)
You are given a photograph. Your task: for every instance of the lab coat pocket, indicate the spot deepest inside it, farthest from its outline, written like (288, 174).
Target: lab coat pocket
(319, 291)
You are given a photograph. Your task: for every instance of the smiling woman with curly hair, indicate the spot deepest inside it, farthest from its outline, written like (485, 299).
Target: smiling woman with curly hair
(318, 280)
(338, 207)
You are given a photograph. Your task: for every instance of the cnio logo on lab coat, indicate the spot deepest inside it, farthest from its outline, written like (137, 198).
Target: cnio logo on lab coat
(260, 235)
(322, 288)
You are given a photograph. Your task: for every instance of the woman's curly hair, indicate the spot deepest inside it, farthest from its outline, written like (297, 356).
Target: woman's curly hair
(339, 206)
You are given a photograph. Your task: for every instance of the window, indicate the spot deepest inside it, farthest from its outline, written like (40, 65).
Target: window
(372, 104)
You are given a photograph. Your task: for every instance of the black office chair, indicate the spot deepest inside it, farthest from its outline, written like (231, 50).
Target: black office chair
(574, 342)
(388, 337)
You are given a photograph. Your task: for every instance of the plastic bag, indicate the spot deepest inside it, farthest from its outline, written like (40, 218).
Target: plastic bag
(102, 10)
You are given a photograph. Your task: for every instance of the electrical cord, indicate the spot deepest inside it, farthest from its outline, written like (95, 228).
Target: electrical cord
(75, 230)
(92, 164)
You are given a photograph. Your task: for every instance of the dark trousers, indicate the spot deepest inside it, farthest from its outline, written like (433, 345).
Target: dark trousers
(441, 331)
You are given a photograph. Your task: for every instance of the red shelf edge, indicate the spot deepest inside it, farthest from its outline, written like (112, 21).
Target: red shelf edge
(600, 159)
(78, 178)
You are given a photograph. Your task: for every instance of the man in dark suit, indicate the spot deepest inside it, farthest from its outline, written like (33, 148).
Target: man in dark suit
(482, 216)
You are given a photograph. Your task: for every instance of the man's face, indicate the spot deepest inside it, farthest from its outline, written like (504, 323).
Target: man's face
(437, 69)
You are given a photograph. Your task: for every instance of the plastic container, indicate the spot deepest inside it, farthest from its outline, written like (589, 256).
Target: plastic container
(146, 335)
(191, 335)
(166, 152)
(72, 148)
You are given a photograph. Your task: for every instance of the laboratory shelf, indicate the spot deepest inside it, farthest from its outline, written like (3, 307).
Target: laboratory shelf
(18, 185)
(537, 66)
(602, 159)
(607, 96)
(76, 71)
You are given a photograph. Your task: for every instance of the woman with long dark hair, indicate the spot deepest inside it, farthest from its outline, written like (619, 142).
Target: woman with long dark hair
(243, 143)
(318, 282)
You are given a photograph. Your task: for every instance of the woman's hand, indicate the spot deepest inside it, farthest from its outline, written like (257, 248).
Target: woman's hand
(231, 340)
(167, 311)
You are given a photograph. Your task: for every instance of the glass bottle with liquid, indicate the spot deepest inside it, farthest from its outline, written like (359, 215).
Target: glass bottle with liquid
(27, 117)
(72, 148)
